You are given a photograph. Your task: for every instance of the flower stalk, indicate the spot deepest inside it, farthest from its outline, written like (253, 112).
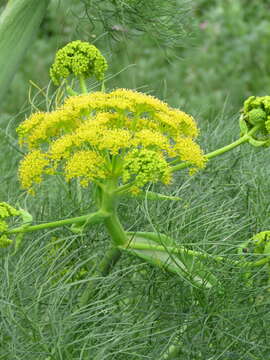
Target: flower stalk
(243, 139)
(88, 219)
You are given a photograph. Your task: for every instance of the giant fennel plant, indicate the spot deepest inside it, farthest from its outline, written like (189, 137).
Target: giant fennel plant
(115, 143)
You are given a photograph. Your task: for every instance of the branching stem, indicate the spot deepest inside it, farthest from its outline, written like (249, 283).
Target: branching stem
(220, 151)
(92, 218)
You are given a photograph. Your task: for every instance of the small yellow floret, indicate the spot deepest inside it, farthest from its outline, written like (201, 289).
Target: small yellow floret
(86, 165)
(115, 140)
(32, 167)
(152, 139)
(189, 151)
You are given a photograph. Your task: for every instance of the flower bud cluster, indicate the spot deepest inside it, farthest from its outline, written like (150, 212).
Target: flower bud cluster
(256, 113)
(80, 59)
(6, 211)
(259, 244)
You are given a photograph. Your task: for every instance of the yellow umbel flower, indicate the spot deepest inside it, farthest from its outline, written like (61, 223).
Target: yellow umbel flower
(123, 134)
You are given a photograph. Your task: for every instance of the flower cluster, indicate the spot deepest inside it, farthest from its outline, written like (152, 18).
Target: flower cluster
(258, 245)
(256, 113)
(123, 134)
(261, 243)
(80, 59)
(6, 211)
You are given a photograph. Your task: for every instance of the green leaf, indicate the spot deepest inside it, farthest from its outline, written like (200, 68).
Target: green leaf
(151, 195)
(158, 238)
(27, 218)
(160, 250)
(77, 228)
(243, 126)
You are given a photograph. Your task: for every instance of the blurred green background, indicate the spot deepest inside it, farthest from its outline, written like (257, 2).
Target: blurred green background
(222, 57)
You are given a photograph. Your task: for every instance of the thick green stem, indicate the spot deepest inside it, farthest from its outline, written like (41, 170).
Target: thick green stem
(110, 259)
(19, 24)
(93, 218)
(107, 200)
(116, 230)
(220, 151)
(109, 205)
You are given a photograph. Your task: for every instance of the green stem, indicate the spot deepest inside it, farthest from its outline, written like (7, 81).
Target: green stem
(109, 205)
(220, 151)
(93, 218)
(103, 88)
(170, 249)
(182, 250)
(124, 188)
(116, 230)
(110, 259)
(83, 84)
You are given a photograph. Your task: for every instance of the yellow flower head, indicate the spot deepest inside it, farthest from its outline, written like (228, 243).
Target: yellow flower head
(32, 167)
(123, 134)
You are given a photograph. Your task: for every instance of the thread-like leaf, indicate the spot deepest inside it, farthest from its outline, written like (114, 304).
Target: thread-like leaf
(151, 195)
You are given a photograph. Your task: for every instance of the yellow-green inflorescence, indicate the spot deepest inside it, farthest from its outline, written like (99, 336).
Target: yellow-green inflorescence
(80, 59)
(124, 135)
(256, 112)
(6, 211)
